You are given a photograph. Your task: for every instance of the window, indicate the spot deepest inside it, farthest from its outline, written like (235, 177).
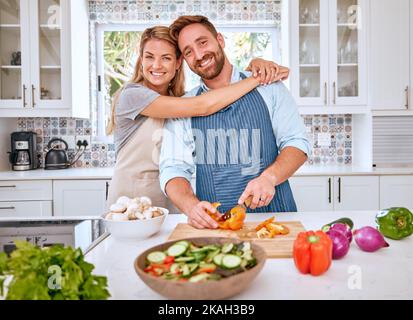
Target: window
(117, 50)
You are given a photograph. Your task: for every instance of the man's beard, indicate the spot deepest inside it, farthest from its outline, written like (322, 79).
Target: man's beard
(214, 70)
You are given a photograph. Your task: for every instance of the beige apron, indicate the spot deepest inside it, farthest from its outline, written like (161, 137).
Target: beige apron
(136, 171)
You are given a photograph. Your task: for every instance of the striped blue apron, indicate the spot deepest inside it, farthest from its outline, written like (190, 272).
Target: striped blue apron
(227, 157)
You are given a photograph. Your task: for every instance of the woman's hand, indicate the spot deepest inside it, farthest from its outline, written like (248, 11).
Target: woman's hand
(267, 71)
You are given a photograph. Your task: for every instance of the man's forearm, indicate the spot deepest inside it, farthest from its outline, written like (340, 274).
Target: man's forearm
(180, 192)
(287, 162)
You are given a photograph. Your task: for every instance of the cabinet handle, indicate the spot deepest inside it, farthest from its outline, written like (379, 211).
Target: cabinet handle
(334, 92)
(339, 190)
(24, 96)
(33, 103)
(329, 190)
(7, 208)
(7, 186)
(325, 93)
(407, 97)
(107, 190)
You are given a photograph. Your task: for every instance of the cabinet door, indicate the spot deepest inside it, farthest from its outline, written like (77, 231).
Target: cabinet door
(26, 190)
(14, 54)
(309, 51)
(79, 197)
(25, 209)
(356, 193)
(389, 38)
(348, 77)
(312, 193)
(50, 54)
(396, 191)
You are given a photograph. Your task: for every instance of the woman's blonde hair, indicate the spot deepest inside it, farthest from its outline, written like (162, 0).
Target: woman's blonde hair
(177, 84)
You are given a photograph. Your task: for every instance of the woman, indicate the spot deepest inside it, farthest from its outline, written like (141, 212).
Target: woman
(141, 107)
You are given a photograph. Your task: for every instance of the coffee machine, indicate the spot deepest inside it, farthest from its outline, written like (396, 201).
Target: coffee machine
(23, 154)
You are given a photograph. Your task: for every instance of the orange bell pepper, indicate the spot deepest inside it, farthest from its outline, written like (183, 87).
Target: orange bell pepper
(233, 220)
(264, 224)
(313, 252)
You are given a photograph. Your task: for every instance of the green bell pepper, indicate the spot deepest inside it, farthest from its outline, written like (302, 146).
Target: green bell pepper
(395, 223)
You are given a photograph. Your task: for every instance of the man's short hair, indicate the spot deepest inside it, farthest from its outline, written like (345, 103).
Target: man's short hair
(183, 21)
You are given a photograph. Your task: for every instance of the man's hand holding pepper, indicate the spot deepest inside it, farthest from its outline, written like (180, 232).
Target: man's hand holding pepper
(199, 218)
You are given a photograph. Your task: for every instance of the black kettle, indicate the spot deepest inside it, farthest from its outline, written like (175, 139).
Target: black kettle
(56, 157)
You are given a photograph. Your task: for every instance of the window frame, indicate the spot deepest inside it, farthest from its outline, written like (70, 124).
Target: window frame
(101, 136)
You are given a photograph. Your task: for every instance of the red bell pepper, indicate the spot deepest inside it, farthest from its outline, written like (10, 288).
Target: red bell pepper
(313, 252)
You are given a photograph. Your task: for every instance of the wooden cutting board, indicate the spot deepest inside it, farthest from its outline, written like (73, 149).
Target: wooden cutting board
(279, 247)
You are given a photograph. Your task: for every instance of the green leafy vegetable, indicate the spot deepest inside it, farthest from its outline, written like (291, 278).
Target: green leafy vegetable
(53, 273)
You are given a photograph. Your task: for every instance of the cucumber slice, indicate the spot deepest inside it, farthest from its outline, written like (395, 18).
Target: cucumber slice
(174, 268)
(218, 259)
(192, 267)
(211, 256)
(198, 250)
(246, 246)
(199, 277)
(183, 243)
(226, 248)
(184, 259)
(231, 261)
(156, 257)
(176, 250)
(185, 270)
(199, 256)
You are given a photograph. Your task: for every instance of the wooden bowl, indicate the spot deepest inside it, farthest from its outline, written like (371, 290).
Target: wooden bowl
(209, 290)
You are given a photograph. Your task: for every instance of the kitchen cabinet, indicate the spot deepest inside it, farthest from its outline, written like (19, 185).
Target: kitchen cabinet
(25, 198)
(44, 51)
(312, 193)
(336, 193)
(37, 190)
(25, 209)
(396, 191)
(389, 54)
(328, 54)
(79, 197)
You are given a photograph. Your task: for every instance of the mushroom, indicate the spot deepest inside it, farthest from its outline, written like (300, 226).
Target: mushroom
(117, 208)
(148, 214)
(147, 202)
(123, 201)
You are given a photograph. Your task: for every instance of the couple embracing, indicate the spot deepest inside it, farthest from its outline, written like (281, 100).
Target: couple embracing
(261, 136)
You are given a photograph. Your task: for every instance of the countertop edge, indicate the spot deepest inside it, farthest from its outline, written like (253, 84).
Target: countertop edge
(107, 173)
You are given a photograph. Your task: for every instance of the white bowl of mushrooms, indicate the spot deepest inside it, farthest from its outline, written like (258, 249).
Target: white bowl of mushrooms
(134, 218)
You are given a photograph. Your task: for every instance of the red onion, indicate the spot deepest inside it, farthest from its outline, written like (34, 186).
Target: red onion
(343, 228)
(341, 245)
(369, 239)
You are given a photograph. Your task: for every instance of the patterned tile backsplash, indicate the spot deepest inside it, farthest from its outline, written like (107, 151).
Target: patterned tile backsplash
(330, 135)
(96, 155)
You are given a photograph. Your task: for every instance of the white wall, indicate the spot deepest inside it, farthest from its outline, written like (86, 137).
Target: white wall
(7, 126)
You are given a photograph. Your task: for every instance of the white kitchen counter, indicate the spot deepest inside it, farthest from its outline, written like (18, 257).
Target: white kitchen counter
(385, 274)
(106, 173)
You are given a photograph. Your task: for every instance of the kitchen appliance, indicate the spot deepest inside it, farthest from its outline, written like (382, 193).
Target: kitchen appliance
(23, 154)
(56, 156)
(281, 246)
(47, 232)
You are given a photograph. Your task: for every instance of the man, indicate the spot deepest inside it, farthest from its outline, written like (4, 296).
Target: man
(261, 138)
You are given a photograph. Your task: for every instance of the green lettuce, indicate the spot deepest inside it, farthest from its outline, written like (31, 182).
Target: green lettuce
(53, 273)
